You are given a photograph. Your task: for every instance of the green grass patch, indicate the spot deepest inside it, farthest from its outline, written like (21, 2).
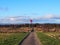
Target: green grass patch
(53, 34)
(11, 38)
(47, 40)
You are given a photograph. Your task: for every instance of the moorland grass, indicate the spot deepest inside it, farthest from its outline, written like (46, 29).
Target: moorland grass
(47, 40)
(11, 38)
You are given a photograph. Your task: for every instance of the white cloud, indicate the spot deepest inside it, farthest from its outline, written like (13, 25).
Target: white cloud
(58, 20)
(49, 16)
(12, 19)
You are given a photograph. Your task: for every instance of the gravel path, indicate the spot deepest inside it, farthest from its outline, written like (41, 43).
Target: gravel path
(32, 39)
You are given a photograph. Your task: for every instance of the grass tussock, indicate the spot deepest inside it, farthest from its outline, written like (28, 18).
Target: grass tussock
(47, 40)
(11, 38)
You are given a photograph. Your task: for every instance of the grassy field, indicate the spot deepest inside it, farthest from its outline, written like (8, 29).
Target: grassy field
(48, 40)
(55, 35)
(11, 38)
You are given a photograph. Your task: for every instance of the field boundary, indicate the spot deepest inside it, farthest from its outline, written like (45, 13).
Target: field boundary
(24, 38)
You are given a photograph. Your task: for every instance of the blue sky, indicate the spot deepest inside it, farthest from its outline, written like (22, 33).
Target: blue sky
(31, 8)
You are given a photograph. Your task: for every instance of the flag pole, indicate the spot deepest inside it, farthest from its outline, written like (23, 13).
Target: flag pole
(31, 25)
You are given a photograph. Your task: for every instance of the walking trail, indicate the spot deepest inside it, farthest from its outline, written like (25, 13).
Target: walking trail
(32, 39)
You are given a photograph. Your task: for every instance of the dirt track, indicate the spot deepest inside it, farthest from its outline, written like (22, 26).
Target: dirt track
(32, 39)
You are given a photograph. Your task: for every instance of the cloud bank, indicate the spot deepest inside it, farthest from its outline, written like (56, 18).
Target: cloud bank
(26, 19)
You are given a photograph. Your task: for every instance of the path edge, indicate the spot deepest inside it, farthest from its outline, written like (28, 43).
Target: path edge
(24, 38)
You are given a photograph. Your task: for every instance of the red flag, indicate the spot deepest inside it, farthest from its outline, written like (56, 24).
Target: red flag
(31, 20)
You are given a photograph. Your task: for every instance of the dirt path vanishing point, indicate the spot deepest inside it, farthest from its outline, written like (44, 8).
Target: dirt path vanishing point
(32, 39)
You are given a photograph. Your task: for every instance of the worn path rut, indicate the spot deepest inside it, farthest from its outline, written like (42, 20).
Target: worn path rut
(32, 39)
